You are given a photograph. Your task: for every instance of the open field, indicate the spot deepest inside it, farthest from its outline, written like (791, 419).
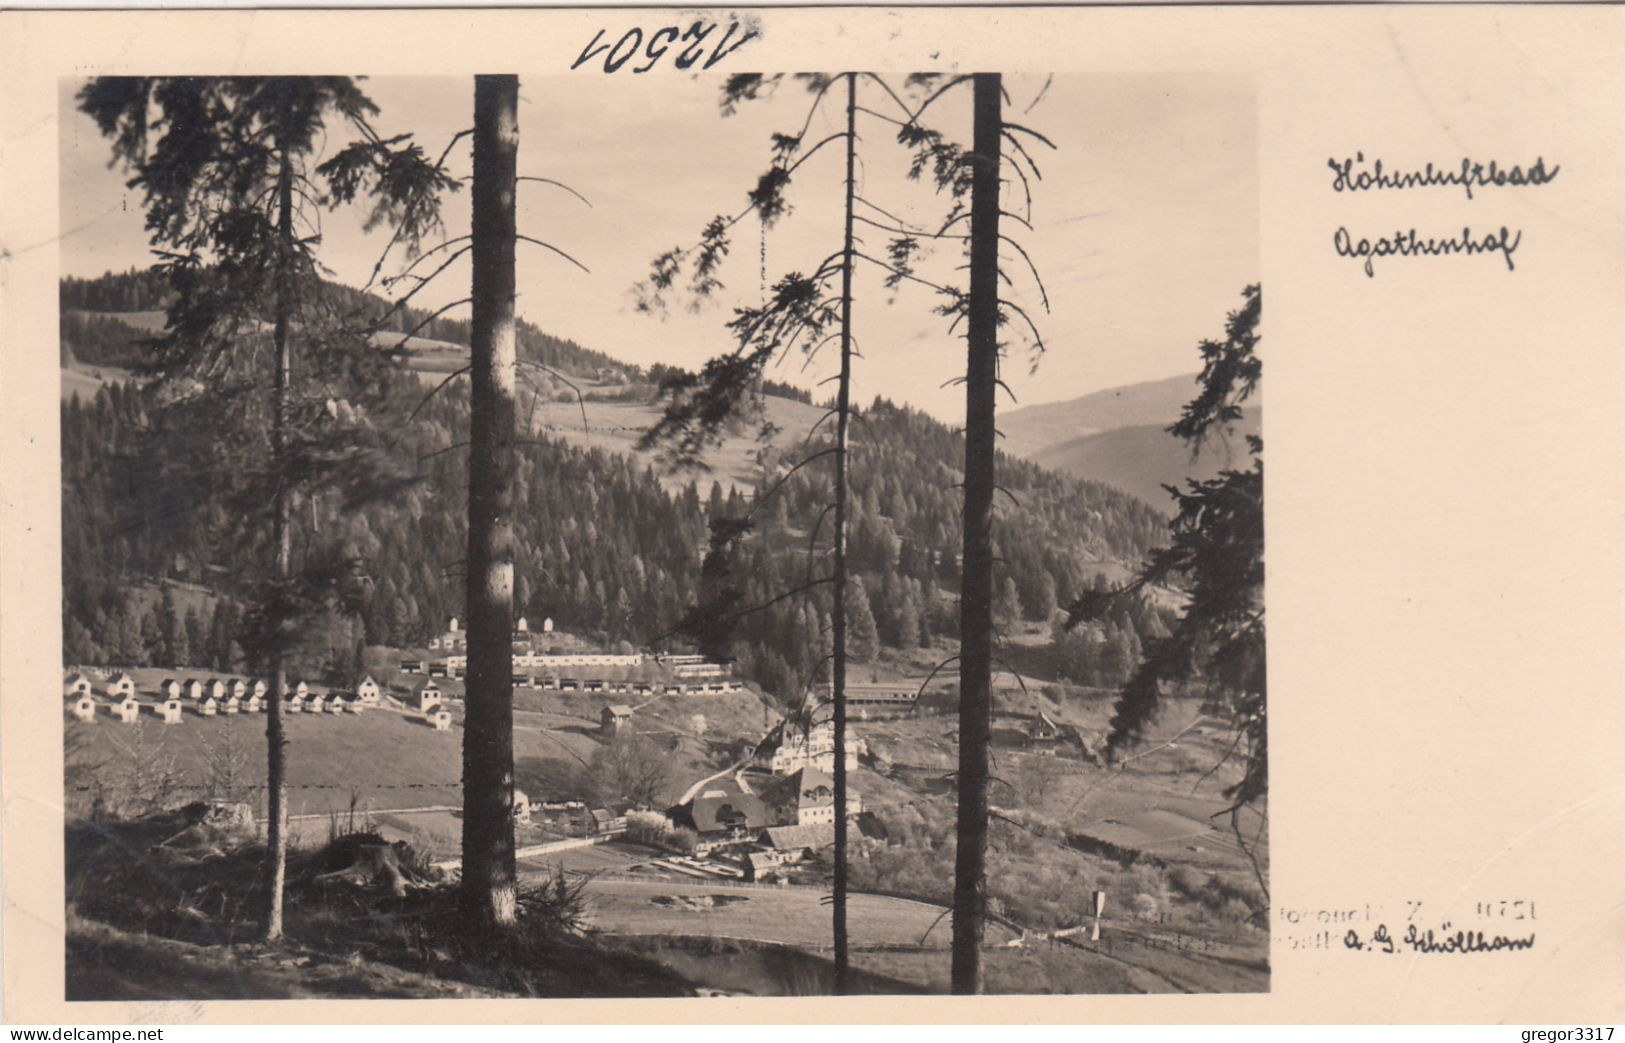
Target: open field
(790, 915)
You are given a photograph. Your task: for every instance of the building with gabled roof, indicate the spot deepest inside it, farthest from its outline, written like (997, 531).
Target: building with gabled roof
(119, 685)
(75, 685)
(721, 808)
(805, 797)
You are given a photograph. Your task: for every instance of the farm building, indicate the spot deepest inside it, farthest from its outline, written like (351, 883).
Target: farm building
(120, 685)
(192, 688)
(208, 706)
(794, 745)
(427, 695)
(879, 699)
(453, 640)
(170, 688)
(215, 689)
(722, 809)
(613, 719)
(441, 719)
(75, 685)
(368, 691)
(84, 708)
(170, 711)
(127, 709)
(799, 840)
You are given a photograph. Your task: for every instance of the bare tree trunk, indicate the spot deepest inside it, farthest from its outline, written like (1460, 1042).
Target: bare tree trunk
(276, 770)
(843, 406)
(488, 845)
(976, 592)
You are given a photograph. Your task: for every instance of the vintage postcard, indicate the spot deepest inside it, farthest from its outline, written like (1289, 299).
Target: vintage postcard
(729, 508)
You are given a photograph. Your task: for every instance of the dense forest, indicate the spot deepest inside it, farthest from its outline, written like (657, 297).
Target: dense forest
(104, 339)
(150, 494)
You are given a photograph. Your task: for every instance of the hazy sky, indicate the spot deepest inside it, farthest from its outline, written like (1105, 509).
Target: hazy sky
(1145, 222)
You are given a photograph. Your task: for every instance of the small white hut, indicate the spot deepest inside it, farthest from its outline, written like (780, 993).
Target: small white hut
(170, 711)
(193, 688)
(127, 709)
(83, 708)
(441, 719)
(170, 688)
(208, 706)
(120, 685)
(75, 685)
(368, 691)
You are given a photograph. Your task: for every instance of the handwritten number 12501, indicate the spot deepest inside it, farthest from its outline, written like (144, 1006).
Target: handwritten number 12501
(632, 43)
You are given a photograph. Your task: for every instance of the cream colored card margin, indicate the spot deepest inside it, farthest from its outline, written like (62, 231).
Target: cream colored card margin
(1446, 562)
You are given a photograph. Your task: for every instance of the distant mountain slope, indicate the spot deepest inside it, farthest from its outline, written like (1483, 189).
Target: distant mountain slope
(1139, 459)
(1033, 428)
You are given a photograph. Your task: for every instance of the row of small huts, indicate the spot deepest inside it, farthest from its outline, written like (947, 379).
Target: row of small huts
(118, 696)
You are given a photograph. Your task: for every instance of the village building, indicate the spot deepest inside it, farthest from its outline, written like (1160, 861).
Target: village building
(798, 840)
(239, 688)
(294, 703)
(441, 719)
(170, 688)
(120, 685)
(75, 685)
(260, 689)
(427, 695)
(231, 704)
(128, 710)
(170, 711)
(192, 688)
(794, 745)
(613, 719)
(84, 708)
(722, 810)
(879, 699)
(805, 798)
(521, 806)
(255, 703)
(208, 706)
(316, 702)
(215, 689)
(453, 640)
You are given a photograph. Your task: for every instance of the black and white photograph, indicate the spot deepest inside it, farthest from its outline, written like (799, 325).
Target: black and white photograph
(723, 535)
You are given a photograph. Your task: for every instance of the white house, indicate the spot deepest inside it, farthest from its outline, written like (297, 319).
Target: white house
(127, 709)
(170, 688)
(428, 695)
(316, 702)
(215, 689)
(75, 685)
(208, 706)
(120, 685)
(83, 708)
(441, 719)
(193, 688)
(231, 703)
(368, 691)
(260, 688)
(239, 688)
(170, 711)
(255, 703)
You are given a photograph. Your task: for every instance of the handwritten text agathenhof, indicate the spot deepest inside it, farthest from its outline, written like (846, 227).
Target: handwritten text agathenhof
(1355, 175)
